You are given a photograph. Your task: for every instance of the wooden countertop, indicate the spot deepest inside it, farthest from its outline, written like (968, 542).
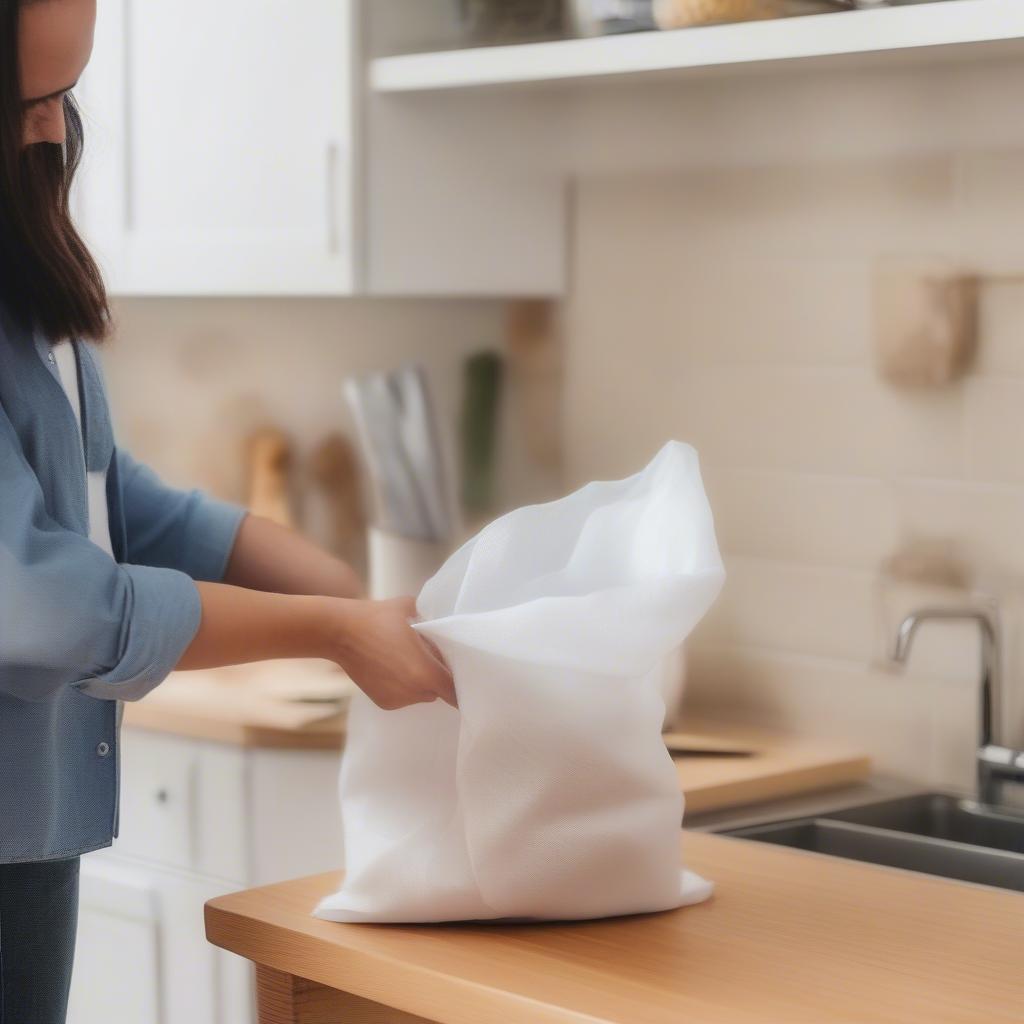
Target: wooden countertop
(281, 704)
(287, 705)
(788, 938)
(779, 765)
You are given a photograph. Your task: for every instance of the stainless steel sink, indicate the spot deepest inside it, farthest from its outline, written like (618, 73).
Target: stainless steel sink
(934, 833)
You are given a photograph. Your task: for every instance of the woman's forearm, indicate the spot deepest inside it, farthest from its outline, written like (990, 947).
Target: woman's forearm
(372, 640)
(270, 557)
(240, 626)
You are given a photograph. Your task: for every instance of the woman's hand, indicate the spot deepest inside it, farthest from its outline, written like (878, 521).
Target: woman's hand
(386, 658)
(372, 640)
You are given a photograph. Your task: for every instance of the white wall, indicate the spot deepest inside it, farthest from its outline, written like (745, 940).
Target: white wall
(730, 307)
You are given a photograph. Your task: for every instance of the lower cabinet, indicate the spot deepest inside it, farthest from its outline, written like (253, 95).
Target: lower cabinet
(142, 957)
(198, 820)
(117, 962)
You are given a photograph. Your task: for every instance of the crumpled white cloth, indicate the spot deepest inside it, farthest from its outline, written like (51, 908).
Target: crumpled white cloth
(549, 792)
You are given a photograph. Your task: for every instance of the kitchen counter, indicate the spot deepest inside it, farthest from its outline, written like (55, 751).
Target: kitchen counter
(300, 705)
(789, 937)
(777, 766)
(295, 705)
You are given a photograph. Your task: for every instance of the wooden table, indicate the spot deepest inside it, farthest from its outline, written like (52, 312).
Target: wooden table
(789, 938)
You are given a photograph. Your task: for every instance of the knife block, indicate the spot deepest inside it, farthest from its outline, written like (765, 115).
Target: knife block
(399, 566)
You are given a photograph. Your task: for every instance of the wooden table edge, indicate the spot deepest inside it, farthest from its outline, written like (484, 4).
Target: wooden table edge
(367, 990)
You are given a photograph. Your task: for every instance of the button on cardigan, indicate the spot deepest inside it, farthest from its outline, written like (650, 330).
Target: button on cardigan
(78, 631)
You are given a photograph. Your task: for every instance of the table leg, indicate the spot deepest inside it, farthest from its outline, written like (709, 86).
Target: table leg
(285, 999)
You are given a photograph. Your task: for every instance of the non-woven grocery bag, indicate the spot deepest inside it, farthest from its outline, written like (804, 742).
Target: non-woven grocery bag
(549, 792)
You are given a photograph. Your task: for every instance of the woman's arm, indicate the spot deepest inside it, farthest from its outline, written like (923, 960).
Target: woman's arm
(212, 541)
(70, 615)
(281, 597)
(371, 640)
(273, 558)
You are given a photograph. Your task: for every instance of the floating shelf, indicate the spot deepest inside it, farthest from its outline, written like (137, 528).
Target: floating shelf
(949, 28)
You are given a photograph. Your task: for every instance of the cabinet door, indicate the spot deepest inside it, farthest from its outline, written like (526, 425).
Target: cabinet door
(219, 146)
(183, 804)
(117, 959)
(142, 955)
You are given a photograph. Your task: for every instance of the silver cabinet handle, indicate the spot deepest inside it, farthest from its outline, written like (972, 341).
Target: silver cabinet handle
(128, 112)
(333, 240)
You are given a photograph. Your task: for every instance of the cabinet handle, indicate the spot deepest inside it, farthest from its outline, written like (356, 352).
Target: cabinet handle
(332, 198)
(162, 796)
(128, 115)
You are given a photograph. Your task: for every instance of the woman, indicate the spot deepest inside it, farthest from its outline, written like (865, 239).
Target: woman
(108, 579)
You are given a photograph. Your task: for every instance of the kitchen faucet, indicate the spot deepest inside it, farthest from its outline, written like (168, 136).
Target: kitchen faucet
(996, 764)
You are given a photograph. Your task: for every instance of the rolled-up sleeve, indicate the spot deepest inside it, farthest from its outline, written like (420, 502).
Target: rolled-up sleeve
(184, 530)
(69, 615)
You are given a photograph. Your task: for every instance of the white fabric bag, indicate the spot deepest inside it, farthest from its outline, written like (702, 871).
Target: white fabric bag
(549, 792)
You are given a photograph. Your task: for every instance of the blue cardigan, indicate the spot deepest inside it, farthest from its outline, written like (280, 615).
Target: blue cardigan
(78, 631)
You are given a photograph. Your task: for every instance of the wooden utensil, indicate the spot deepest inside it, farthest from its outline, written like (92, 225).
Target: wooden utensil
(338, 505)
(269, 457)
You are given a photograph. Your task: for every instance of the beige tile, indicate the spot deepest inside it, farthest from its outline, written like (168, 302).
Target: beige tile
(833, 614)
(953, 714)
(735, 310)
(995, 429)
(806, 211)
(809, 520)
(859, 523)
(834, 422)
(990, 208)
(985, 518)
(814, 697)
(1001, 328)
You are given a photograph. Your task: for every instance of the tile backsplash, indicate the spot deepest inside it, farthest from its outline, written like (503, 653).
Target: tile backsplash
(732, 308)
(191, 380)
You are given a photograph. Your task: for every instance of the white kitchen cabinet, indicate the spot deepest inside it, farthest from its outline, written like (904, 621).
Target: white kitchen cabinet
(142, 956)
(230, 152)
(117, 962)
(220, 146)
(198, 819)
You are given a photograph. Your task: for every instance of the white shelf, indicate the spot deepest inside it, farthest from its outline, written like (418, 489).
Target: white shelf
(956, 26)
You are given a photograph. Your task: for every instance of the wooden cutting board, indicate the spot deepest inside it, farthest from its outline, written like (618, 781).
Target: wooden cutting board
(777, 766)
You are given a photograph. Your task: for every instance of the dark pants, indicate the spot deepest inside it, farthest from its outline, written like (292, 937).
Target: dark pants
(38, 920)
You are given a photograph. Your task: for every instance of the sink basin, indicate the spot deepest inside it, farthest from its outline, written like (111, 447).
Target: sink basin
(939, 816)
(934, 833)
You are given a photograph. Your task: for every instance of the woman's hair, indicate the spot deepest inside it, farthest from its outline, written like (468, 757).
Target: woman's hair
(46, 271)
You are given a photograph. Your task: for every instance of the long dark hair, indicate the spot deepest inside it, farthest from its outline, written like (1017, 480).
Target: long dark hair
(46, 271)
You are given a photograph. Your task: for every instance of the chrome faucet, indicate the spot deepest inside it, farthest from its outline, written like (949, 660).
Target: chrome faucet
(996, 764)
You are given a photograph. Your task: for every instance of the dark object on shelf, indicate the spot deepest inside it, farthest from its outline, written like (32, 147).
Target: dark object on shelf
(610, 17)
(479, 430)
(513, 21)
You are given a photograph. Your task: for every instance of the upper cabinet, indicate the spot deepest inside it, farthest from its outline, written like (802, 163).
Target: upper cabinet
(221, 146)
(231, 150)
